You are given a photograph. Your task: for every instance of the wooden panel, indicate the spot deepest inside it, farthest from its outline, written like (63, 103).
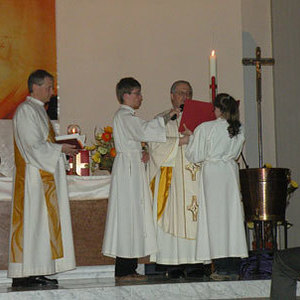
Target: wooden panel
(4, 233)
(88, 222)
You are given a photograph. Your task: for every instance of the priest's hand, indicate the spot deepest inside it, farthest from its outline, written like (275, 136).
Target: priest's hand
(69, 149)
(174, 111)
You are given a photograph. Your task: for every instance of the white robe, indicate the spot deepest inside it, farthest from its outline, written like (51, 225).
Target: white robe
(175, 228)
(221, 230)
(31, 232)
(129, 229)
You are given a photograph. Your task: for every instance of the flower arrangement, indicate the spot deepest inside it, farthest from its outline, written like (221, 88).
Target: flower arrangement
(103, 151)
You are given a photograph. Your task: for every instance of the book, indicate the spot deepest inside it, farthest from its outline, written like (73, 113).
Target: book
(196, 112)
(71, 139)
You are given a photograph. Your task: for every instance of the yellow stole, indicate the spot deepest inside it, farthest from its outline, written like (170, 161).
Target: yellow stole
(16, 249)
(163, 189)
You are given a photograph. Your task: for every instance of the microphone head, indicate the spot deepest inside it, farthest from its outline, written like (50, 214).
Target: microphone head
(174, 117)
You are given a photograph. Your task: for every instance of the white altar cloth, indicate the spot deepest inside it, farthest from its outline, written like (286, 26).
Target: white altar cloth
(80, 187)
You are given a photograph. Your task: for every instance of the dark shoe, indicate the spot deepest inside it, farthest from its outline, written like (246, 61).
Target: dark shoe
(173, 274)
(41, 281)
(195, 274)
(20, 282)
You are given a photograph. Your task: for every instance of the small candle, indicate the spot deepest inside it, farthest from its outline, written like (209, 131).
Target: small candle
(73, 128)
(213, 64)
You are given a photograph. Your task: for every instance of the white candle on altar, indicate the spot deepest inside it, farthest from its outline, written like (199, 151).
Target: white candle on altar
(213, 65)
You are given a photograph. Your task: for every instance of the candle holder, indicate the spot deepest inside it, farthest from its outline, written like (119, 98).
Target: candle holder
(213, 87)
(73, 128)
(72, 164)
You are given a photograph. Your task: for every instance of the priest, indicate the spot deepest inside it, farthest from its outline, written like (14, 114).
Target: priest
(173, 181)
(41, 240)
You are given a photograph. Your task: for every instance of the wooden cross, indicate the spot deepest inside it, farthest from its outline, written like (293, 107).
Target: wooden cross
(258, 62)
(193, 207)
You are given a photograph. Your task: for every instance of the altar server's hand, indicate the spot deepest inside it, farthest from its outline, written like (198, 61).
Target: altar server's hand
(145, 157)
(186, 131)
(69, 149)
(186, 136)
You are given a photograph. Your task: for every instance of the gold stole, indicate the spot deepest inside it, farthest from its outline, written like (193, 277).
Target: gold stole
(16, 249)
(163, 189)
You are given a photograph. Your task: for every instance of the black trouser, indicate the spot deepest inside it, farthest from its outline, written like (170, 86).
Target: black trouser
(229, 265)
(285, 272)
(125, 266)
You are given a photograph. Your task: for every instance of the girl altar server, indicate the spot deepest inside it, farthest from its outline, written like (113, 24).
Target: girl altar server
(217, 145)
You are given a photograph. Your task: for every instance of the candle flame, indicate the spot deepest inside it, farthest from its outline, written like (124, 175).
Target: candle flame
(213, 53)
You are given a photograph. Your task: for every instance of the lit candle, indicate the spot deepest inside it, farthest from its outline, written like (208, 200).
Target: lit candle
(213, 74)
(213, 64)
(73, 128)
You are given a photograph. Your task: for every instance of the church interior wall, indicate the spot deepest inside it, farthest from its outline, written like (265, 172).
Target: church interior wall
(256, 28)
(158, 42)
(286, 49)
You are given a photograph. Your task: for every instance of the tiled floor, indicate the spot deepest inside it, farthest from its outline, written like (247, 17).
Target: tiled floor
(150, 289)
(89, 283)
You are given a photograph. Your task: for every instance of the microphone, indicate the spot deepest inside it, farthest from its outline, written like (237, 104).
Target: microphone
(174, 117)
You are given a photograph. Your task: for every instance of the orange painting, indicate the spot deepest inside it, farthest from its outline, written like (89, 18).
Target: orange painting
(27, 43)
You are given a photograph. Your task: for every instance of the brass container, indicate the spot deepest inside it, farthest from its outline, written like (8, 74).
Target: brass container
(264, 193)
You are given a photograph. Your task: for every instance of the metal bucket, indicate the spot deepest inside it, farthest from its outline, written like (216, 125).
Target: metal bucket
(264, 193)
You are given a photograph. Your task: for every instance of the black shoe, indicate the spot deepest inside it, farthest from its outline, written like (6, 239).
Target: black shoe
(21, 282)
(173, 274)
(42, 281)
(195, 274)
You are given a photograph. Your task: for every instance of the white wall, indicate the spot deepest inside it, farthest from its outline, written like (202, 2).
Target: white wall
(256, 26)
(286, 41)
(158, 42)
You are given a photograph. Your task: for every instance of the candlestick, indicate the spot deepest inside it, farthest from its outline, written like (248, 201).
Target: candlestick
(213, 87)
(213, 74)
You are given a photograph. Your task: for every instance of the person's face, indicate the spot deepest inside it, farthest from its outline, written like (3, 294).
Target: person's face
(134, 99)
(43, 92)
(217, 112)
(182, 92)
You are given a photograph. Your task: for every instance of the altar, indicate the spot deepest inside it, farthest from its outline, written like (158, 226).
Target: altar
(88, 202)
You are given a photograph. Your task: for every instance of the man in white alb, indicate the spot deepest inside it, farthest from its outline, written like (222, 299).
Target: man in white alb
(175, 189)
(41, 241)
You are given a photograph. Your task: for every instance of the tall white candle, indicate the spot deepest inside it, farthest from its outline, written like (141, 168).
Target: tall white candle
(213, 64)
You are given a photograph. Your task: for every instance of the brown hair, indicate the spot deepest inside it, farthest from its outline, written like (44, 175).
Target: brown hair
(229, 108)
(125, 86)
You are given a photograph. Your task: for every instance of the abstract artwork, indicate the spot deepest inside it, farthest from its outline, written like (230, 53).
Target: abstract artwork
(27, 43)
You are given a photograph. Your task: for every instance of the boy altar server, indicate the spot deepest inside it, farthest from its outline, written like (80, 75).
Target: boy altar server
(129, 231)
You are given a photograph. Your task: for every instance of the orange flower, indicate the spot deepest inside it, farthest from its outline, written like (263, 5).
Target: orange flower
(113, 152)
(108, 129)
(106, 137)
